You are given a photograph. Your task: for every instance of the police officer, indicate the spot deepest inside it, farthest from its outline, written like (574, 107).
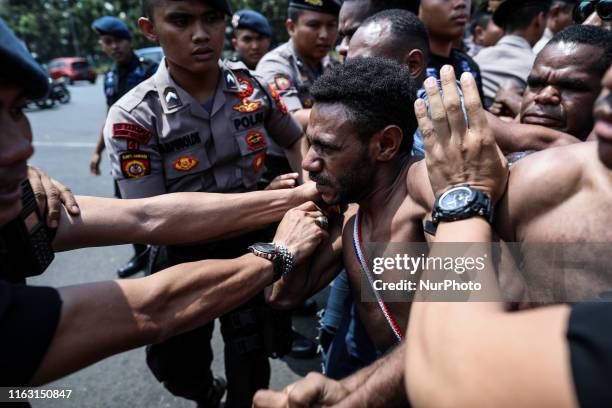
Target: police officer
(127, 71)
(201, 125)
(50, 332)
(292, 67)
(252, 36)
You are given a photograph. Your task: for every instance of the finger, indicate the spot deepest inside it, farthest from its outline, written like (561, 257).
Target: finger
(37, 188)
(308, 206)
(287, 176)
(452, 102)
(425, 126)
(436, 109)
(476, 115)
(53, 202)
(306, 392)
(270, 399)
(282, 184)
(67, 198)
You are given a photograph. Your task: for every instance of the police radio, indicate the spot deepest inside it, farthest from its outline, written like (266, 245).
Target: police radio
(27, 241)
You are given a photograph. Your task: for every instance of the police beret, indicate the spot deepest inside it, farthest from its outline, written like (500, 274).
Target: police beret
(507, 7)
(18, 65)
(109, 25)
(322, 6)
(253, 21)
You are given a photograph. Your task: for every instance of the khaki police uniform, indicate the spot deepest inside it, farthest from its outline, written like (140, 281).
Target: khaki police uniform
(284, 70)
(161, 140)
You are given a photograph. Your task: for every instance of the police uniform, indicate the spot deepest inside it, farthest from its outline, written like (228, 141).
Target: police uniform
(122, 78)
(161, 140)
(284, 70)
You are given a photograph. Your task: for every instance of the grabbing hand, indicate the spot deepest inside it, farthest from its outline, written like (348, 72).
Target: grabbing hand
(299, 232)
(94, 164)
(288, 180)
(458, 153)
(50, 195)
(315, 390)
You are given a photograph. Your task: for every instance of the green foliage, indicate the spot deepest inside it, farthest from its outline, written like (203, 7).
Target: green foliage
(62, 28)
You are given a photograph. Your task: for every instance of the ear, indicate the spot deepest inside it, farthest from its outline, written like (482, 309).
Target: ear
(290, 26)
(234, 42)
(415, 61)
(386, 143)
(541, 19)
(148, 29)
(478, 33)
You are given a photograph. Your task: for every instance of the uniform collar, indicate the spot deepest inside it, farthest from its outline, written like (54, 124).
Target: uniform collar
(514, 40)
(170, 92)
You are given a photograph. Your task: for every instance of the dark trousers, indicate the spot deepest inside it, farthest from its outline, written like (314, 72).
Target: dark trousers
(182, 363)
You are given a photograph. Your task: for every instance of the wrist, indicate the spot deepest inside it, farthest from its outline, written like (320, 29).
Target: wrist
(263, 265)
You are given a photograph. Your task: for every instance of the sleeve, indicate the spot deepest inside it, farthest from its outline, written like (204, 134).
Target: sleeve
(278, 74)
(108, 91)
(28, 319)
(136, 163)
(589, 335)
(281, 126)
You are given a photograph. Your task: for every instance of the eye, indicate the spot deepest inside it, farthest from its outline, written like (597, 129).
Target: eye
(180, 22)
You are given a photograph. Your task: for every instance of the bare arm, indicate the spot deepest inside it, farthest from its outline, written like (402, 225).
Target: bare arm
(295, 154)
(517, 137)
(160, 306)
(302, 116)
(174, 218)
(94, 164)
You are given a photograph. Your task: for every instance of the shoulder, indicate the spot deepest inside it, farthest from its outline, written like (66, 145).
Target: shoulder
(141, 93)
(280, 55)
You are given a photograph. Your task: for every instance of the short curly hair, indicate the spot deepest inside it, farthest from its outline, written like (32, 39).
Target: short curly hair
(375, 93)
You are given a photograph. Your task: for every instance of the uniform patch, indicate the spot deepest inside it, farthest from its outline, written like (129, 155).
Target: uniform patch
(317, 3)
(131, 131)
(230, 81)
(133, 145)
(255, 140)
(258, 161)
(247, 106)
(248, 121)
(135, 165)
(172, 99)
(245, 86)
(281, 105)
(185, 163)
(282, 83)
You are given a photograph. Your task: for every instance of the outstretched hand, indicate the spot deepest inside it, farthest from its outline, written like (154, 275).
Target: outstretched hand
(459, 152)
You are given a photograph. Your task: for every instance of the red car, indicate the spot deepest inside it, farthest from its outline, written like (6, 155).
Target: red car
(73, 69)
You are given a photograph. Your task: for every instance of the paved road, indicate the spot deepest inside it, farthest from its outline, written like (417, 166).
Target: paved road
(64, 138)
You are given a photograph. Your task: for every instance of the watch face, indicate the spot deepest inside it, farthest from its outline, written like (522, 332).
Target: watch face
(456, 198)
(266, 248)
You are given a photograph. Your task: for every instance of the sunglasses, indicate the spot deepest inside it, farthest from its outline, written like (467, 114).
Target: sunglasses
(585, 8)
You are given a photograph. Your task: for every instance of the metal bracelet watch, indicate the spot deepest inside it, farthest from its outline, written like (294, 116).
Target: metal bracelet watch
(278, 253)
(462, 202)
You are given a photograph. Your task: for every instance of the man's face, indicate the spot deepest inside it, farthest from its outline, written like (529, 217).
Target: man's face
(251, 45)
(314, 34)
(191, 33)
(488, 36)
(445, 20)
(119, 49)
(561, 89)
(352, 14)
(15, 149)
(338, 160)
(603, 121)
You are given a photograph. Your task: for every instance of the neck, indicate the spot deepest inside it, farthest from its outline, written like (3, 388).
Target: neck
(527, 34)
(128, 60)
(386, 180)
(440, 47)
(201, 86)
(313, 64)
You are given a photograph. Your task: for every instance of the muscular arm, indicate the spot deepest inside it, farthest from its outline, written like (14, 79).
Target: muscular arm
(295, 154)
(147, 310)
(173, 218)
(517, 137)
(476, 352)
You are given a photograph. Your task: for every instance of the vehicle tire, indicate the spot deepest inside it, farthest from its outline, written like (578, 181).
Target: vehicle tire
(65, 97)
(46, 103)
(70, 80)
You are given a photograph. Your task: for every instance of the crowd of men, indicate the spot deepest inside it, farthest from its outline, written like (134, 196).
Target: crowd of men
(439, 121)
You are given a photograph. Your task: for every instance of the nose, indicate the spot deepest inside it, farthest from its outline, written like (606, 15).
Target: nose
(548, 95)
(311, 162)
(200, 33)
(15, 146)
(344, 46)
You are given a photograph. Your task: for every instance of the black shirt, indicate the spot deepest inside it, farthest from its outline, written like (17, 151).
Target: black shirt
(590, 342)
(29, 316)
(460, 61)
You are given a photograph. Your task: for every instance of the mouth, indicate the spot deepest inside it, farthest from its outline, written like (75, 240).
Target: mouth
(603, 130)
(542, 120)
(202, 54)
(461, 19)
